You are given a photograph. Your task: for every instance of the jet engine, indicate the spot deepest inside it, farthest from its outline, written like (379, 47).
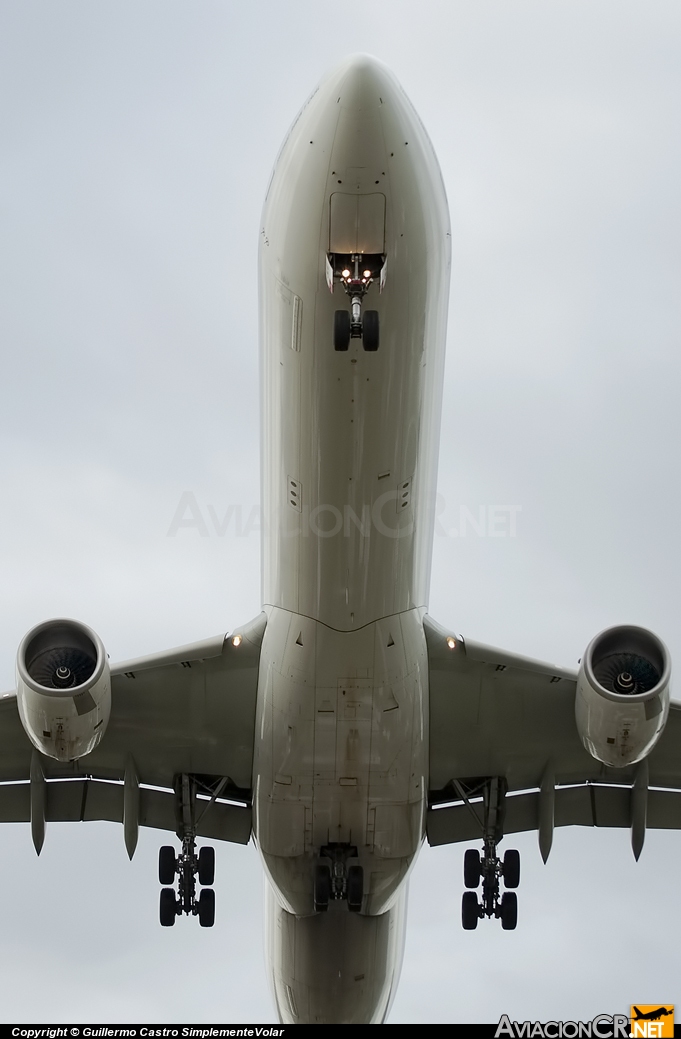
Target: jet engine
(623, 695)
(63, 689)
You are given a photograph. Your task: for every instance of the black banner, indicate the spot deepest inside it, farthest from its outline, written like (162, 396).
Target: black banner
(599, 1028)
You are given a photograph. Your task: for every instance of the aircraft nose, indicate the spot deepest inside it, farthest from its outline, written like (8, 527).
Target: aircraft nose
(364, 83)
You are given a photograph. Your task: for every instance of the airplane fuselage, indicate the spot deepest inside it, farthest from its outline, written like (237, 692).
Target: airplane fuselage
(350, 442)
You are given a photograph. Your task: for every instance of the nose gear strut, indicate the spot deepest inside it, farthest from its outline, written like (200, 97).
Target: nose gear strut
(355, 272)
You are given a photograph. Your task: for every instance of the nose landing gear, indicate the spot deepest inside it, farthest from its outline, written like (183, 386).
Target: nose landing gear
(342, 330)
(356, 272)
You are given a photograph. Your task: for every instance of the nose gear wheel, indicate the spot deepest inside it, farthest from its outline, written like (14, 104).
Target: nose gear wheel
(356, 272)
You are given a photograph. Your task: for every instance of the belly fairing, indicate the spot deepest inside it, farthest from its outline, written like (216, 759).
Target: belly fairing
(342, 752)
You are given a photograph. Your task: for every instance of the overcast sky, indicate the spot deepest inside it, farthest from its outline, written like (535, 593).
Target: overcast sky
(136, 142)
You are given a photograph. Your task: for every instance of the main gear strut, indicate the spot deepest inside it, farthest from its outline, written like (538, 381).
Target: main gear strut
(335, 880)
(488, 867)
(187, 865)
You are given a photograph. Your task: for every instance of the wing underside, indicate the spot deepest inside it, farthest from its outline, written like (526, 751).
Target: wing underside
(494, 715)
(187, 712)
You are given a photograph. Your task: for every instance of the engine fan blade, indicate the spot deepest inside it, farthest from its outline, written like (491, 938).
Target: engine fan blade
(626, 673)
(61, 668)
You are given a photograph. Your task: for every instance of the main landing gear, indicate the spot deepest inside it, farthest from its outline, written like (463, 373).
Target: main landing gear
(187, 866)
(356, 272)
(335, 880)
(489, 868)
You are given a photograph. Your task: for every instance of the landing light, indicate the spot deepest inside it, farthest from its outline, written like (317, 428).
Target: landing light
(236, 641)
(451, 642)
(366, 274)
(346, 273)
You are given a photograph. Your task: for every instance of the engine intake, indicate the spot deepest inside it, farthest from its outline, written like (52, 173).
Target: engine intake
(622, 699)
(63, 688)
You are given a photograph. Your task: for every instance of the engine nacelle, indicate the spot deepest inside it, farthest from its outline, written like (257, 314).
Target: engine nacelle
(623, 695)
(63, 689)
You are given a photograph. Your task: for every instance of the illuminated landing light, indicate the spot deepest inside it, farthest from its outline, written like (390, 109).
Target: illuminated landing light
(346, 273)
(451, 641)
(236, 641)
(366, 273)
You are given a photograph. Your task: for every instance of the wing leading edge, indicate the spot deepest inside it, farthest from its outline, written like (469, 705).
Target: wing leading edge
(185, 712)
(499, 717)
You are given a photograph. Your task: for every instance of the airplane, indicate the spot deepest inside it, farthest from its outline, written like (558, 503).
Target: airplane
(652, 1015)
(343, 726)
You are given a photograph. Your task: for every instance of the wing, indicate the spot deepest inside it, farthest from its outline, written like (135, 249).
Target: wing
(494, 715)
(186, 712)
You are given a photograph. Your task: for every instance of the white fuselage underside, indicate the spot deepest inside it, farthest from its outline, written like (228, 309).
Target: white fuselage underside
(348, 483)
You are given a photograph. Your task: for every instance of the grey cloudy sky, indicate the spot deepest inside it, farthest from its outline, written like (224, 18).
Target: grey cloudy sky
(136, 142)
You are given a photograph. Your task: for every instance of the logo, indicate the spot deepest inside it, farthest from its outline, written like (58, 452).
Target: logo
(652, 1021)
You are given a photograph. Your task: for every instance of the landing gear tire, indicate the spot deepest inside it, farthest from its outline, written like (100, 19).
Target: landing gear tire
(167, 907)
(167, 865)
(322, 888)
(471, 868)
(370, 330)
(512, 868)
(207, 907)
(206, 866)
(355, 888)
(469, 911)
(341, 330)
(509, 910)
